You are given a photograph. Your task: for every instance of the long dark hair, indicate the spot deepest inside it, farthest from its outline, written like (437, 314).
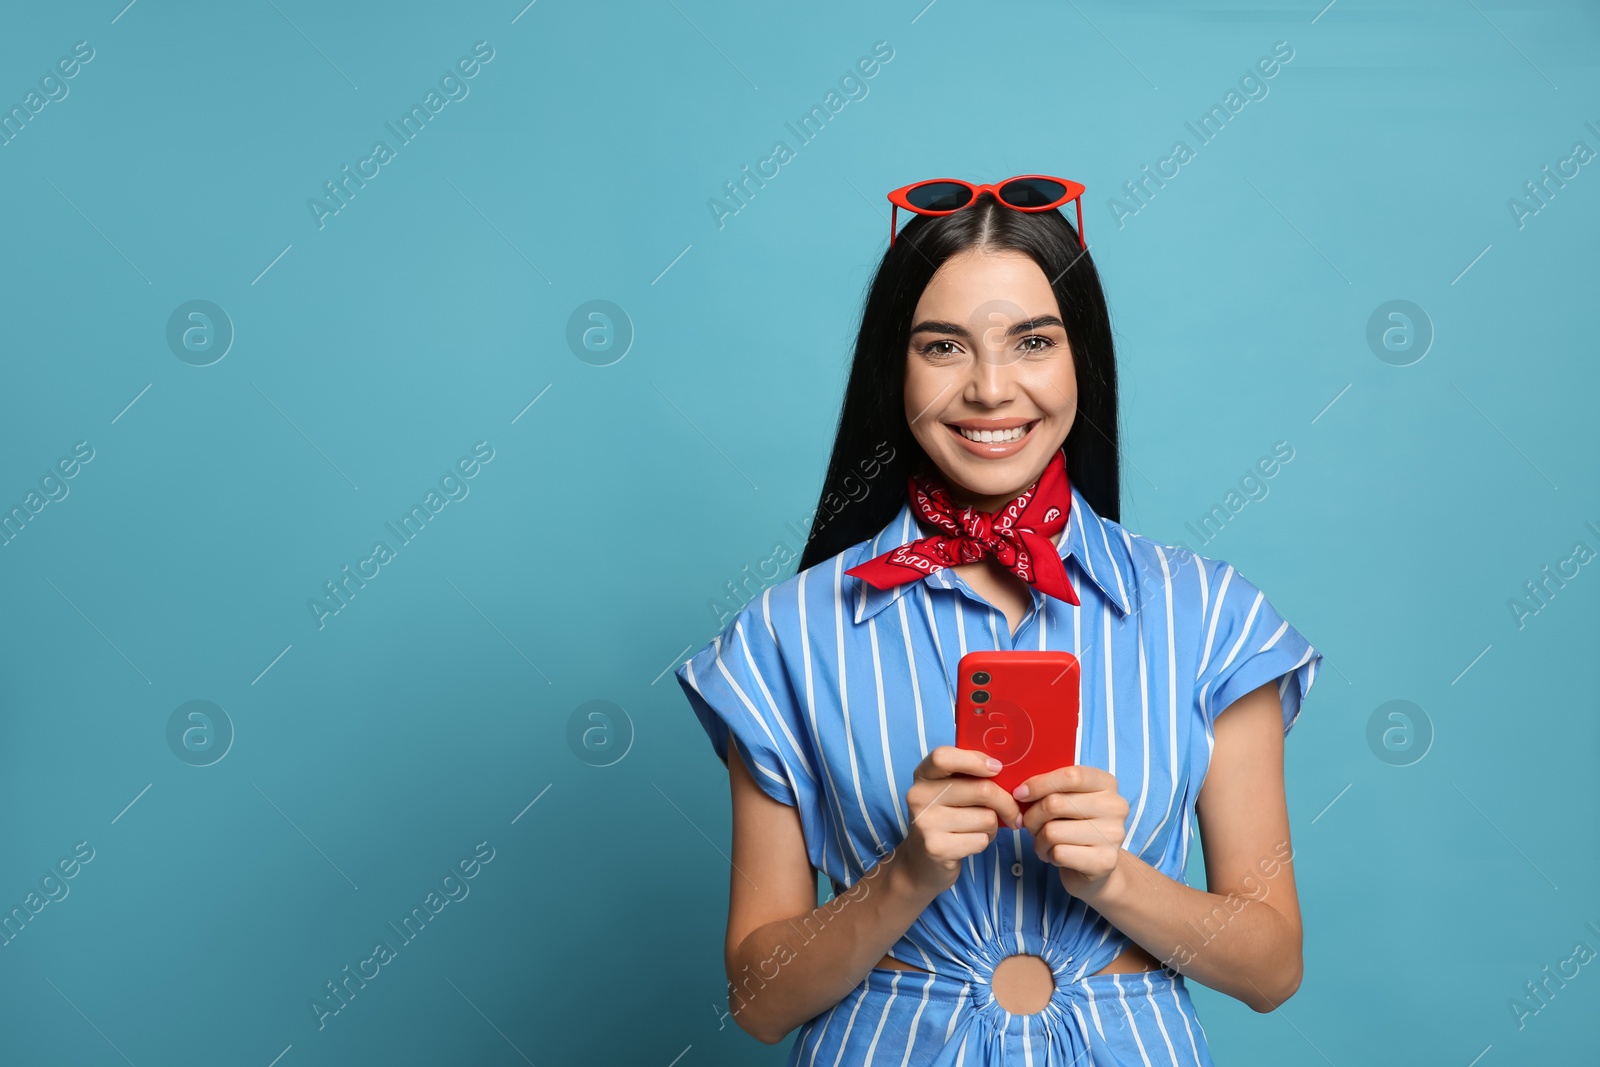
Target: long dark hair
(863, 490)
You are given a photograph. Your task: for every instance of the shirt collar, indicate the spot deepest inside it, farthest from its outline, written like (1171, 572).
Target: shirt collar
(1094, 545)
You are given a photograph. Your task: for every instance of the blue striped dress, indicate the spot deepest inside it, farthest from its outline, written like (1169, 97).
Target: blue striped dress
(834, 691)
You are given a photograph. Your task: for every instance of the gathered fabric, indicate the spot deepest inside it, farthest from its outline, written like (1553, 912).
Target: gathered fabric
(942, 1019)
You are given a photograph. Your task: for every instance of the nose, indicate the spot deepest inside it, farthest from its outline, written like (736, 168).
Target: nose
(993, 374)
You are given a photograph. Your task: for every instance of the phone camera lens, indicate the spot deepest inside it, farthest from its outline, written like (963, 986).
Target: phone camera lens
(980, 678)
(980, 696)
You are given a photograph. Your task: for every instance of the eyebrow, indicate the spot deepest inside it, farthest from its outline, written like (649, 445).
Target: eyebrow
(936, 326)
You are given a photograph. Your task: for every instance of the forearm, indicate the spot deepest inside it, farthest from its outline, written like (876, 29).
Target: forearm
(1235, 944)
(792, 970)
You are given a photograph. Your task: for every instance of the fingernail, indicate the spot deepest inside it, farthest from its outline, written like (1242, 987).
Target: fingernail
(1021, 792)
(1016, 823)
(994, 764)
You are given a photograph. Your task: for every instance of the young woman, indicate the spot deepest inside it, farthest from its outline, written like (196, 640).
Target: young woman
(977, 451)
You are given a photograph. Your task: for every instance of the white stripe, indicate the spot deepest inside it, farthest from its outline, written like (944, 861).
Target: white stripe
(916, 685)
(1083, 672)
(911, 1030)
(961, 1002)
(1203, 586)
(1274, 639)
(1021, 904)
(1204, 1039)
(1051, 605)
(894, 991)
(1216, 612)
(761, 682)
(1089, 954)
(1083, 1029)
(761, 720)
(1184, 1015)
(1133, 1024)
(1111, 702)
(1310, 654)
(827, 1021)
(1172, 708)
(994, 863)
(1144, 703)
(844, 708)
(783, 720)
(1172, 692)
(1122, 589)
(1244, 632)
(883, 729)
(1094, 1013)
(832, 791)
(1172, 1054)
(1183, 855)
(858, 996)
(938, 646)
(961, 628)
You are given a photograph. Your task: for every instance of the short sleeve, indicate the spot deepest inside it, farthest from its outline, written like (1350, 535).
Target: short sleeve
(1246, 643)
(739, 688)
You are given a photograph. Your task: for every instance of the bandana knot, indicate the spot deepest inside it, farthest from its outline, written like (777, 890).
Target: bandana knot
(1018, 535)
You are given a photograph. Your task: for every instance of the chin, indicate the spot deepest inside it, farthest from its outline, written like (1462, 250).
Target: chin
(991, 477)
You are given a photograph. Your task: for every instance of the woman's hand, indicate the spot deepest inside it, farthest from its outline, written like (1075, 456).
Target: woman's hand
(955, 813)
(1077, 819)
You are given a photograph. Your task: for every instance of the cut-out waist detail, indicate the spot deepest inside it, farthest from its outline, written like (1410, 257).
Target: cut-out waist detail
(1131, 960)
(981, 1007)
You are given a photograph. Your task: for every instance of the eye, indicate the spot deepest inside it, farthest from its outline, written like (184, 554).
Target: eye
(1045, 342)
(928, 349)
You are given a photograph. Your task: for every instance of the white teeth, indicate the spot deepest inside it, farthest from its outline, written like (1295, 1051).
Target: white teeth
(994, 437)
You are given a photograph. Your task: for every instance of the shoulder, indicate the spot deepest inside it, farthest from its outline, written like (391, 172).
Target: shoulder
(1157, 568)
(1195, 582)
(787, 608)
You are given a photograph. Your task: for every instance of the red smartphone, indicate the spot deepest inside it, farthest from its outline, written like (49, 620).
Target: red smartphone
(1021, 707)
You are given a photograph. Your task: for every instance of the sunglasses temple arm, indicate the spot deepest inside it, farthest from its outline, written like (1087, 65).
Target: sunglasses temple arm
(894, 210)
(1079, 202)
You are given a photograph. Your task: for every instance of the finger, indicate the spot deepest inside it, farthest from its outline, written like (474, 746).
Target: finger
(1004, 805)
(963, 821)
(962, 790)
(946, 760)
(979, 791)
(965, 791)
(968, 844)
(1070, 832)
(1079, 778)
(1101, 805)
(1104, 807)
(1072, 857)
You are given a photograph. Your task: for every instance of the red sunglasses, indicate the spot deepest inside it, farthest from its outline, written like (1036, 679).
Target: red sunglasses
(945, 196)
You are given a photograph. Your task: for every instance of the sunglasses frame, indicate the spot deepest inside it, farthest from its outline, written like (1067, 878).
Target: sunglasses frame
(899, 198)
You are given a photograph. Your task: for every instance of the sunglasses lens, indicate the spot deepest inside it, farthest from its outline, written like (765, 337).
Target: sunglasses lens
(1032, 192)
(940, 196)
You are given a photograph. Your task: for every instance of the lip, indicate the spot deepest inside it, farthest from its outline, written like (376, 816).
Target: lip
(990, 424)
(993, 451)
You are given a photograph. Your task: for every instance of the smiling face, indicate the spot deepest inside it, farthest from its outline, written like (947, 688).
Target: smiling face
(990, 387)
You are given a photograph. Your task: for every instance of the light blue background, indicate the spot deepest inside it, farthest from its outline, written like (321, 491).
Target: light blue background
(432, 710)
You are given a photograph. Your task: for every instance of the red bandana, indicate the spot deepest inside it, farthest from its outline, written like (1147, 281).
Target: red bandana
(1018, 535)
